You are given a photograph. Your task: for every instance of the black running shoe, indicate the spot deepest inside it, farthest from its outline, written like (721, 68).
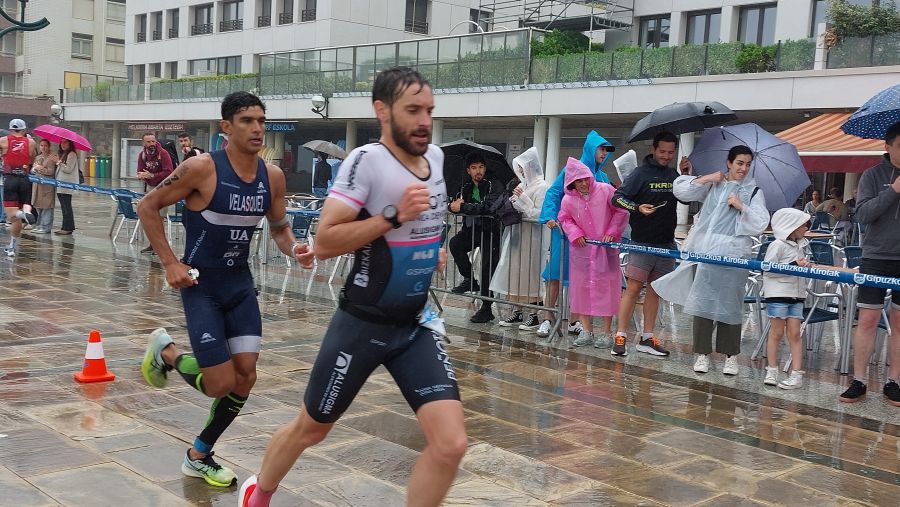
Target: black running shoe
(467, 285)
(854, 393)
(892, 393)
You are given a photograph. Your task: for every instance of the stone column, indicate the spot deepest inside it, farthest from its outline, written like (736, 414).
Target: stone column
(213, 134)
(116, 151)
(350, 136)
(685, 147)
(437, 131)
(540, 137)
(554, 129)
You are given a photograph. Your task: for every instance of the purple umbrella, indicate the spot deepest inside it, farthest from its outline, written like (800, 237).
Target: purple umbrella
(777, 168)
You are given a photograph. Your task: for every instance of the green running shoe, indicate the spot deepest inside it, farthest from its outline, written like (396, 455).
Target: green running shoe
(207, 469)
(153, 367)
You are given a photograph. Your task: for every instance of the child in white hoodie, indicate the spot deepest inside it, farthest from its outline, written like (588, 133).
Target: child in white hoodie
(785, 294)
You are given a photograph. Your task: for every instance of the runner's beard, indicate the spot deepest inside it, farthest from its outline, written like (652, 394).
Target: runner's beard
(403, 140)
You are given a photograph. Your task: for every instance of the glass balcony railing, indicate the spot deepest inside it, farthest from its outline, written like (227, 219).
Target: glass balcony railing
(871, 51)
(496, 59)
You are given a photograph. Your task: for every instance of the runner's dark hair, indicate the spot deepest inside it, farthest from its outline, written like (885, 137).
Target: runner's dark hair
(391, 83)
(238, 101)
(664, 137)
(739, 150)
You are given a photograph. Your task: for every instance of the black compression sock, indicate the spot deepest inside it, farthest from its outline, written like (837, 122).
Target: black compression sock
(186, 366)
(221, 415)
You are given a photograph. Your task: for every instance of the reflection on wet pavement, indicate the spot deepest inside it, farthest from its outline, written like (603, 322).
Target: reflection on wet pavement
(547, 426)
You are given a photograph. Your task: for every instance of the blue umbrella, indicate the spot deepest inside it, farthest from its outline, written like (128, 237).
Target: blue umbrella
(872, 120)
(777, 168)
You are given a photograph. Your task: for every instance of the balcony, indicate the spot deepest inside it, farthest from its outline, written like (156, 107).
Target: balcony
(202, 29)
(141, 37)
(285, 18)
(173, 33)
(263, 21)
(156, 35)
(414, 26)
(872, 51)
(308, 15)
(231, 25)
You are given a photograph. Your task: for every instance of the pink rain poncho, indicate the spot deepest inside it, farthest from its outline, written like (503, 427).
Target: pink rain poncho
(595, 279)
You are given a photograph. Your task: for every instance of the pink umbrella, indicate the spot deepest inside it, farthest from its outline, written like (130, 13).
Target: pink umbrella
(55, 134)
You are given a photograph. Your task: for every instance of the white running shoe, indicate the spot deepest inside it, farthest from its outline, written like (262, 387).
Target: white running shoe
(544, 329)
(771, 376)
(701, 365)
(731, 366)
(794, 381)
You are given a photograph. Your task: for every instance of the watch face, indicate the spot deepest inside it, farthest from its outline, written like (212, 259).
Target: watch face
(390, 212)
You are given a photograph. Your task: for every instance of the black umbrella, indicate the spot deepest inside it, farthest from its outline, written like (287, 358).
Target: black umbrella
(455, 154)
(681, 117)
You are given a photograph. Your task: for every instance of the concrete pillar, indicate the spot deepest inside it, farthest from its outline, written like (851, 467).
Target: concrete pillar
(851, 181)
(350, 136)
(213, 135)
(540, 137)
(437, 131)
(792, 20)
(116, 149)
(554, 129)
(677, 28)
(685, 147)
(821, 59)
(728, 30)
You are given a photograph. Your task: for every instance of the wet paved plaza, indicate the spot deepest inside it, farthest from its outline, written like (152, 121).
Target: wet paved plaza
(547, 426)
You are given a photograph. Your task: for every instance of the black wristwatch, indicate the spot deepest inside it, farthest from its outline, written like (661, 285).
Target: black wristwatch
(390, 214)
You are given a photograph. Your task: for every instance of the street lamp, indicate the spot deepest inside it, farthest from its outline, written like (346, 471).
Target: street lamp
(320, 105)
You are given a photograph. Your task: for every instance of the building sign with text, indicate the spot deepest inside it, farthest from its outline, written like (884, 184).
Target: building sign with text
(281, 126)
(157, 126)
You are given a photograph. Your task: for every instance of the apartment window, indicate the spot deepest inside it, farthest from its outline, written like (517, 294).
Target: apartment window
(203, 16)
(654, 32)
(140, 28)
(265, 13)
(232, 16)
(172, 70)
(83, 9)
(208, 66)
(309, 10)
(703, 27)
(7, 82)
(286, 12)
(82, 45)
(20, 42)
(482, 18)
(156, 70)
(757, 24)
(20, 82)
(157, 25)
(11, 7)
(115, 10)
(173, 23)
(9, 44)
(416, 16)
(115, 50)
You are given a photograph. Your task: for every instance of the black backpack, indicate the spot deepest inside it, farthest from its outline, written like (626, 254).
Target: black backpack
(503, 209)
(169, 146)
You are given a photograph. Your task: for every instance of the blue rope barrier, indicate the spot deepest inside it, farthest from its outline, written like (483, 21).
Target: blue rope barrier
(817, 272)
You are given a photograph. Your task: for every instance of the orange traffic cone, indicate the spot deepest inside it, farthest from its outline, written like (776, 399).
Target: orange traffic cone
(94, 369)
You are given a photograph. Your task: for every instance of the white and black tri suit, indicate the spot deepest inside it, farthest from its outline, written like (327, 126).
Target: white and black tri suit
(377, 319)
(222, 311)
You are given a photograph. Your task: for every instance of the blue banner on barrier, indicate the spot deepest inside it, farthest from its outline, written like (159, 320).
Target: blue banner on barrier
(819, 272)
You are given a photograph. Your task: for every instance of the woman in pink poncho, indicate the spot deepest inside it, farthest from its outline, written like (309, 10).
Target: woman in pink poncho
(595, 279)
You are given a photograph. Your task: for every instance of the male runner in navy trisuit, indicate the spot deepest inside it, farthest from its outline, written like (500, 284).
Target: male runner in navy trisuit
(227, 193)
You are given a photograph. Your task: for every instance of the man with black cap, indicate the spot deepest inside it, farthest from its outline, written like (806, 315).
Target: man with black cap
(18, 151)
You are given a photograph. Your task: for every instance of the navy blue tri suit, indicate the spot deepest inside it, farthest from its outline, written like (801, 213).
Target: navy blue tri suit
(377, 318)
(221, 310)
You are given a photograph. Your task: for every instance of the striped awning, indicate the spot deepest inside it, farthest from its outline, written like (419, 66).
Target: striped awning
(824, 147)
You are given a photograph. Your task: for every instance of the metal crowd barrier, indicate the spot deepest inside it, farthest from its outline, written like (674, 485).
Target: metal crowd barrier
(850, 279)
(508, 258)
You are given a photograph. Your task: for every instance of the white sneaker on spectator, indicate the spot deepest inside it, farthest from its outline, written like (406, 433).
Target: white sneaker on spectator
(771, 376)
(794, 381)
(531, 323)
(731, 366)
(701, 365)
(584, 338)
(575, 328)
(544, 329)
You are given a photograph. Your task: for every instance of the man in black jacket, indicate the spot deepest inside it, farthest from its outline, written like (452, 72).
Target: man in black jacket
(647, 194)
(479, 230)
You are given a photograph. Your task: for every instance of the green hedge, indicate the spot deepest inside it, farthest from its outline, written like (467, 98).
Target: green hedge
(796, 55)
